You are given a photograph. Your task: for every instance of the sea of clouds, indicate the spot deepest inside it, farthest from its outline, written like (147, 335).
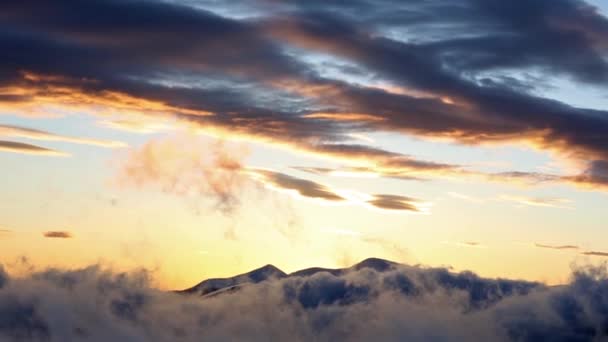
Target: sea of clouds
(396, 303)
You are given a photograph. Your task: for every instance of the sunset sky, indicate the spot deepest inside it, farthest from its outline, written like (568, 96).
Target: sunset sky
(205, 138)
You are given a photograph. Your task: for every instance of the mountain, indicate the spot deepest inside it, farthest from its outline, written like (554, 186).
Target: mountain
(211, 286)
(216, 286)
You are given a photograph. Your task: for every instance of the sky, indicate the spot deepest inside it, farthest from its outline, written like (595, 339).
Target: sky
(206, 138)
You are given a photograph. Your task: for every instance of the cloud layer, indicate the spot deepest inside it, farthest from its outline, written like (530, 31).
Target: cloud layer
(370, 301)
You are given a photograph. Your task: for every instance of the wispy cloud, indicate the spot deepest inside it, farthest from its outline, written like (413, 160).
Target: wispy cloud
(304, 188)
(550, 202)
(469, 244)
(29, 133)
(467, 198)
(187, 165)
(562, 247)
(19, 147)
(595, 253)
(135, 126)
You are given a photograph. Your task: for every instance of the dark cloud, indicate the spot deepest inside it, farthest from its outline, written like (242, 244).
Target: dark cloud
(394, 202)
(58, 234)
(303, 187)
(395, 302)
(19, 147)
(467, 72)
(540, 245)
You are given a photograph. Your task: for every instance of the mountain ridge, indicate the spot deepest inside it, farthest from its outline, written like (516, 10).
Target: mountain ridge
(213, 286)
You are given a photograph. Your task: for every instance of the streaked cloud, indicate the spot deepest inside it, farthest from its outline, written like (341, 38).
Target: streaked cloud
(312, 190)
(560, 247)
(394, 202)
(468, 244)
(551, 202)
(19, 147)
(58, 234)
(29, 133)
(467, 198)
(302, 187)
(135, 126)
(595, 253)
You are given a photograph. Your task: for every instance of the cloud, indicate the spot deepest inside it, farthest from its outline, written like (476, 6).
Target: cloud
(29, 133)
(537, 201)
(396, 302)
(187, 166)
(561, 247)
(303, 187)
(58, 235)
(421, 69)
(135, 126)
(308, 189)
(394, 202)
(19, 147)
(470, 244)
(595, 253)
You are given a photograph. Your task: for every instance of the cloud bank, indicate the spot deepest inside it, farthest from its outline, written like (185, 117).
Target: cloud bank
(373, 300)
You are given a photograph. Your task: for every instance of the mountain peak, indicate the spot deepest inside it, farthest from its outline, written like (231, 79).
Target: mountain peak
(377, 264)
(265, 272)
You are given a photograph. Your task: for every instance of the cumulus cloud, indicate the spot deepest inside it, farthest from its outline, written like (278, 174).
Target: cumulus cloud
(19, 147)
(29, 133)
(370, 301)
(57, 234)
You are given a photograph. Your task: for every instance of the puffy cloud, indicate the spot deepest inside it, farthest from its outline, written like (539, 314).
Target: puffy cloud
(56, 234)
(19, 147)
(371, 300)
